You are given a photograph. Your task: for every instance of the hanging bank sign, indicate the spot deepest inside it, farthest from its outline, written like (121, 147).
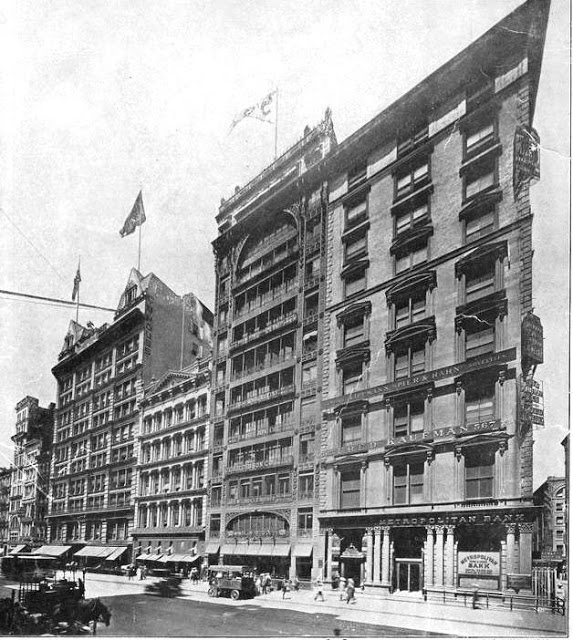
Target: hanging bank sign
(478, 563)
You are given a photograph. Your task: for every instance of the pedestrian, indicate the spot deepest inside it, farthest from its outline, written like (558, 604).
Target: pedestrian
(81, 589)
(350, 589)
(296, 583)
(285, 587)
(258, 585)
(342, 588)
(319, 589)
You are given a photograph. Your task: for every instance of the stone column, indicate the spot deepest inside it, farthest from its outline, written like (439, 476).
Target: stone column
(525, 547)
(368, 566)
(429, 564)
(328, 573)
(386, 557)
(439, 575)
(377, 543)
(449, 569)
(510, 548)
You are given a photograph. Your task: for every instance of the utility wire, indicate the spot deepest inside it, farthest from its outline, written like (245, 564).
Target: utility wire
(67, 303)
(31, 243)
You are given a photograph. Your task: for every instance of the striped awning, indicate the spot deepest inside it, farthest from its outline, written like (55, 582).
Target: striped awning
(279, 550)
(303, 549)
(154, 556)
(93, 552)
(212, 547)
(143, 556)
(191, 558)
(51, 550)
(116, 553)
(19, 548)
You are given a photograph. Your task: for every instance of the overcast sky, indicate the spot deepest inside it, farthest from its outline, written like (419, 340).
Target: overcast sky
(102, 98)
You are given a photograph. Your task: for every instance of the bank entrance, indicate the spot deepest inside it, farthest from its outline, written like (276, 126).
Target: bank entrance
(408, 554)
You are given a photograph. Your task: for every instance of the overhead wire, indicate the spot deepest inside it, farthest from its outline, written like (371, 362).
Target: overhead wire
(29, 297)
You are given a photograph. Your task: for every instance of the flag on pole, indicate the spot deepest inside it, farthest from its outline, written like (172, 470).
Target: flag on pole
(135, 218)
(260, 111)
(77, 280)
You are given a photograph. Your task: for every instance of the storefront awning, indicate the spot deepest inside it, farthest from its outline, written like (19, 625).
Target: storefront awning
(303, 549)
(190, 558)
(143, 556)
(93, 552)
(212, 547)
(154, 556)
(280, 550)
(51, 550)
(116, 553)
(17, 549)
(250, 549)
(229, 549)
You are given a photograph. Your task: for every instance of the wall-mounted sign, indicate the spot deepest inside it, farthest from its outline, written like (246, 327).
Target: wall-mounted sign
(478, 563)
(532, 339)
(532, 403)
(526, 165)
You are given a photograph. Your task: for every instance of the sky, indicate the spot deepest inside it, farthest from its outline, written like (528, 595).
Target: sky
(101, 99)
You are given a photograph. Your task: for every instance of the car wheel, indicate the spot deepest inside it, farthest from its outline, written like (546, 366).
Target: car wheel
(235, 594)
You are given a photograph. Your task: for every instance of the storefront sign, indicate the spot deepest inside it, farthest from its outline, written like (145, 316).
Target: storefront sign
(478, 563)
(518, 581)
(525, 157)
(430, 376)
(532, 338)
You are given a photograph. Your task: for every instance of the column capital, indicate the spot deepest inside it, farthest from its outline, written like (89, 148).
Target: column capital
(386, 530)
(525, 527)
(450, 528)
(369, 530)
(440, 529)
(377, 530)
(430, 528)
(510, 528)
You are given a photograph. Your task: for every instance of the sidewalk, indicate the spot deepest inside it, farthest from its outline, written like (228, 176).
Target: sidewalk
(408, 613)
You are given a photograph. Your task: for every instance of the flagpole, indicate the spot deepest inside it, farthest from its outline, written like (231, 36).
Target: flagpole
(78, 299)
(139, 250)
(276, 121)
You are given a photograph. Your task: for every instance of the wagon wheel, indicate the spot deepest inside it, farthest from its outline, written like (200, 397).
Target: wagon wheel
(235, 594)
(212, 592)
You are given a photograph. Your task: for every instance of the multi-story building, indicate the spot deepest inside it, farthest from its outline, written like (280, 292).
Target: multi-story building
(5, 482)
(172, 466)
(551, 540)
(426, 448)
(265, 411)
(29, 483)
(101, 373)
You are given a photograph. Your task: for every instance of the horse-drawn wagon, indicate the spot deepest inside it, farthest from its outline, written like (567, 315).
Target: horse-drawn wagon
(234, 581)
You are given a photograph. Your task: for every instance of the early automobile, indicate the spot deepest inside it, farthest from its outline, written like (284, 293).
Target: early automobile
(234, 581)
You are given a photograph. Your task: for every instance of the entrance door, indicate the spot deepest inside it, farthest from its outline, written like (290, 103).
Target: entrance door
(408, 574)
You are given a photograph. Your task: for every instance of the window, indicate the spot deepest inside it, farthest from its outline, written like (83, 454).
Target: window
(355, 246)
(411, 179)
(480, 225)
(409, 483)
(410, 309)
(130, 295)
(357, 174)
(416, 135)
(480, 280)
(308, 410)
(411, 258)
(480, 338)
(356, 212)
(350, 489)
(480, 401)
(407, 219)
(351, 378)
(306, 485)
(353, 331)
(479, 474)
(409, 361)
(409, 418)
(355, 282)
(284, 484)
(351, 427)
(305, 519)
(478, 136)
(480, 178)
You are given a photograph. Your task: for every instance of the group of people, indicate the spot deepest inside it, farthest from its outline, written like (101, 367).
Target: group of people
(346, 589)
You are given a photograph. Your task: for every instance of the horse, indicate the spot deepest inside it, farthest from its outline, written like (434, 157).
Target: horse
(87, 612)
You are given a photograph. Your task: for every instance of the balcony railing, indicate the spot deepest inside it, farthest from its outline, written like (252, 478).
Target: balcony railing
(309, 354)
(311, 281)
(261, 301)
(307, 458)
(283, 321)
(261, 397)
(268, 367)
(304, 533)
(261, 431)
(310, 316)
(272, 262)
(260, 464)
(270, 499)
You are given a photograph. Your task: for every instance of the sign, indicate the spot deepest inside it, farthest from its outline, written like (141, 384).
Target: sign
(532, 404)
(445, 372)
(478, 563)
(532, 339)
(526, 165)
(518, 581)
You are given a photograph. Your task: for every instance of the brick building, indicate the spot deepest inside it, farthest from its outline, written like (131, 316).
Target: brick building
(269, 301)
(31, 472)
(429, 337)
(101, 374)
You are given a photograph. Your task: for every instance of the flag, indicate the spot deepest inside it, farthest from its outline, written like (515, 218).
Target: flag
(261, 110)
(135, 218)
(77, 280)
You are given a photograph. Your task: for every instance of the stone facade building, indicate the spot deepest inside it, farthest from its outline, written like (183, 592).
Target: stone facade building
(101, 375)
(172, 467)
(269, 304)
(551, 530)
(426, 447)
(5, 481)
(29, 483)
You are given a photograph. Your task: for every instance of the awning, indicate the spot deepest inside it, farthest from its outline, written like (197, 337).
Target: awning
(178, 557)
(250, 550)
(94, 552)
(303, 549)
(116, 553)
(190, 558)
(143, 556)
(280, 550)
(212, 547)
(228, 549)
(154, 556)
(163, 559)
(17, 549)
(49, 550)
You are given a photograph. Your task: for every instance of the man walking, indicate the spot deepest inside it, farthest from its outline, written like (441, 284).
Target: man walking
(319, 589)
(350, 588)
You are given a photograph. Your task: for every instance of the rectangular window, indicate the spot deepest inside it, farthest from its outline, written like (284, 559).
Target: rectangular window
(305, 519)
(412, 179)
(350, 489)
(355, 247)
(479, 136)
(409, 362)
(480, 341)
(410, 309)
(351, 427)
(354, 283)
(479, 474)
(409, 418)
(409, 483)
(411, 258)
(408, 219)
(480, 282)
(306, 485)
(480, 402)
(356, 212)
(308, 410)
(353, 331)
(351, 378)
(479, 180)
(480, 225)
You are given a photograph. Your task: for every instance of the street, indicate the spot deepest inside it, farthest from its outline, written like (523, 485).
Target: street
(143, 615)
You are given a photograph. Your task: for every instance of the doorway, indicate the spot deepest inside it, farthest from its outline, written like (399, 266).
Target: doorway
(408, 574)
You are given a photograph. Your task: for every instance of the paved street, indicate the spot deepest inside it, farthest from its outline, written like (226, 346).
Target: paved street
(151, 616)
